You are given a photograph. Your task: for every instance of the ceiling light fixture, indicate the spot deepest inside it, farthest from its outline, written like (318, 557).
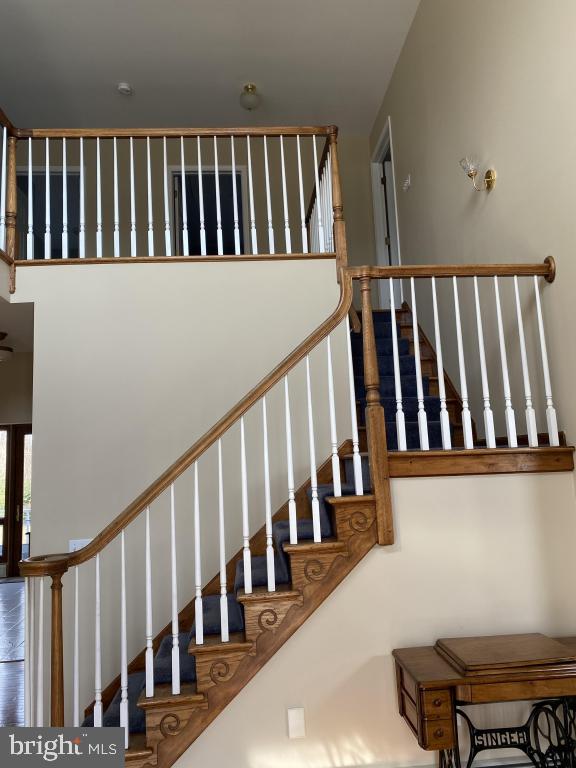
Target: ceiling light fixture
(250, 98)
(470, 167)
(125, 89)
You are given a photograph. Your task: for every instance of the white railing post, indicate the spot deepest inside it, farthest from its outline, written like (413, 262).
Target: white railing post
(312, 448)
(174, 580)
(466, 417)
(400, 418)
(531, 427)
(270, 568)
(253, 235)
(422, 419)
(224, 630)
(98, 201)
(508, 410)
(246, 554)
(198, 610)
(116, 201)
(64, 201)
(303, 227)
(293, 521)
(551, 419)
(321, 246)
(219, 239)
(133, 237)
(40, 660)
(356, 458)
(82, 216)
(185, 243)
(3, 189)
(149, 198)
(268, 199)
(201, 199)
(30, 234)
(287, 235)
(235, 199)
(333, 433)
(32, 655)
(167, 231)
(149, 655)
(488, 415)
(27, 657)
(97, 652)
(123, 644)
(47, 230)
(76, 660)
(444, 416)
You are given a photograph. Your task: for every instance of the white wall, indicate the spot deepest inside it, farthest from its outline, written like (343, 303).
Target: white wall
(16, 390)
(493, 560)
(495, 80)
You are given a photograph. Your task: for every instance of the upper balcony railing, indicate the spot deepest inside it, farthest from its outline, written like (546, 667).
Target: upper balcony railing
(178, 192)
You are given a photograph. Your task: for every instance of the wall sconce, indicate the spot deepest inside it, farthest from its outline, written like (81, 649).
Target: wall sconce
(471, 169)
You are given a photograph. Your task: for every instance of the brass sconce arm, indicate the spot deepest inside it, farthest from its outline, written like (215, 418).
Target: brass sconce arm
(471, 170)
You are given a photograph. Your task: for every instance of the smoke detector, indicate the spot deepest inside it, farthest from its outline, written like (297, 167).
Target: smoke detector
(125, 89)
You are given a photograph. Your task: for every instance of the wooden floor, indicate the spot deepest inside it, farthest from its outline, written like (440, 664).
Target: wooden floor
(11, 652)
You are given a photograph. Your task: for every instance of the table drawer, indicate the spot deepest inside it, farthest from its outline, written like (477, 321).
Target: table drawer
(437, 734)
(437, 704)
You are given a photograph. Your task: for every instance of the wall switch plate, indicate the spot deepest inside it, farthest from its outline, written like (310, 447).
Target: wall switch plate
(296, 723)
(75, 544)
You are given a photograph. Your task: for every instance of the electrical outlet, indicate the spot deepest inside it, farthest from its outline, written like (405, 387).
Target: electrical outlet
(75, 544)
(296, 723)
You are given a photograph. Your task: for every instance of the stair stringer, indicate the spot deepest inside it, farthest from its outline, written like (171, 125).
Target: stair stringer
(321, 568)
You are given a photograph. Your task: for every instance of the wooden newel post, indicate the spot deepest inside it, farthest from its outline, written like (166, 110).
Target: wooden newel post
(57, 655)
(337, 206)
(375, 423)
(11, 208)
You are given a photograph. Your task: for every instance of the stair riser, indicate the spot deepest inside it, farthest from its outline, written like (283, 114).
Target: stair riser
(166, 721)
(266, 615)
(310, 571)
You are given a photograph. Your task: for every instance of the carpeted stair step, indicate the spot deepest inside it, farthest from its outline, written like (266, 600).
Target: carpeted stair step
(409, 407)
(211, 615)
(163, 660)
(388, 387)
(260, 573)
(136, 717)
(386, 365)
(384, 347)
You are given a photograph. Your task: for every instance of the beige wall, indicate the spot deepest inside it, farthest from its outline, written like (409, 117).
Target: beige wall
(16, 390)
(338, 666)
(494, 79)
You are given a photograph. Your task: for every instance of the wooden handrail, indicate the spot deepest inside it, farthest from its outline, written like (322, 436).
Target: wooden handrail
(175, 133)
(42, 565)
(547, 270)
(5, 121)
(5, 258)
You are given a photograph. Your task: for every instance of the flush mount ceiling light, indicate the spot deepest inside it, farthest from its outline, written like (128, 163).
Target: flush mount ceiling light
(250, 98)
(470, 167)
(5, 352)
(125, 89)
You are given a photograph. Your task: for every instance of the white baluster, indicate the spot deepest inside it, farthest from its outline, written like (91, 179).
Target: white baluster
(356, 458)
(76, 670)
(167, 231)
(3, 189)
(270, 568)
(219, 240)
(123, 644)
(293, 522)
(32, 596)
(444, 416)
(224, 631)
(312, 446)
(333, 434)
(268, 199)
(82, 212)
(253, 235)
(488, 415)
(133, 238)
(47, 231)
(198, 612)
(400, 418)
(27, 657)
(321, 247)
(30, 234)
(174, 580)
(40, 660)
(509, 416)
(531, 428)
(287, 235)
(245, 514)
(97, 652)
(466, 417)
(150, 209)
(201, 200)
(185, 245)
(235, 199)
(116, 202)
(303, 228)
(329, 203)
(551, 419)
(98, 201)
(422, 419)
(64, 202)
(149, 655)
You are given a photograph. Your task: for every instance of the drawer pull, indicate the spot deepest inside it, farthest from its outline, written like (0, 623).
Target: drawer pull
(437, 702)
(439, 732)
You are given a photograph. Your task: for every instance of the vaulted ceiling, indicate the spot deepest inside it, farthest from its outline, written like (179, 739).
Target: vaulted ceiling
(314, 61)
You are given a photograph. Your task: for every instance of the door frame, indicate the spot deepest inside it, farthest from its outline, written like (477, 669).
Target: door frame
(392, 254)
(13, 520)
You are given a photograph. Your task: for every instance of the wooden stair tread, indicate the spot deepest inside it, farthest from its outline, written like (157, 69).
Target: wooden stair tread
(315, 547)
(258, 594)
(138, 749)
(213, 644)
(163, 696)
